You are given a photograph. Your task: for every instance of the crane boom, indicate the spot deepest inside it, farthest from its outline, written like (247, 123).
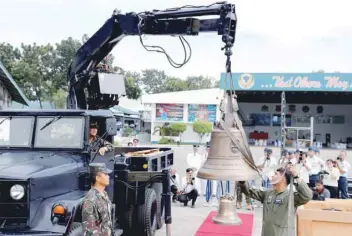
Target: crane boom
(85, 82)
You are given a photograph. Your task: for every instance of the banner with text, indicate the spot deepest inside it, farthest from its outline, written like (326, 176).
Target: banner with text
(169, 112)
(201, 112)
(328, 82)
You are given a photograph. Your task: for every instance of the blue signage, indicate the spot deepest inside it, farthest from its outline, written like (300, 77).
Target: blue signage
(328, 82)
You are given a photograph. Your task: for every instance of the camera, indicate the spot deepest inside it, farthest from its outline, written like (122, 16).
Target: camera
(324, 172)
(338, 158)
(193, 178)
(173, 176)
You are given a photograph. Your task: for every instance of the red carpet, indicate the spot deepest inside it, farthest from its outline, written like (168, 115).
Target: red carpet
(208, 228)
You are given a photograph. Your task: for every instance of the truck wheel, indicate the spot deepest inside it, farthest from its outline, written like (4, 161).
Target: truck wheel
(147, 213)
(158, 187)
(129, 218)
(76, 230)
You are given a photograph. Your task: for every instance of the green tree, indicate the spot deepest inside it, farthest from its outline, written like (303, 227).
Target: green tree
(163, 130)
(216, 84)
(202, 128)
(9, 55)
(178, 128)
(153, 81)
(132, 90)
(34, 71)
(41, 70)
(174, 85)
(200, 82)
(137, 77)
(59, 99)
(65, 52)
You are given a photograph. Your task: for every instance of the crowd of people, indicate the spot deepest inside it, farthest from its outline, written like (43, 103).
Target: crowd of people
(326, 179)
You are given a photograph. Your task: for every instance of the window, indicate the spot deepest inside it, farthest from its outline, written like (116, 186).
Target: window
(64, 132)
(16, 131)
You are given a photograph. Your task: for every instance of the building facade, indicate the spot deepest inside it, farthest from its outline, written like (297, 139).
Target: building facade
(181, 107)
(326, 98)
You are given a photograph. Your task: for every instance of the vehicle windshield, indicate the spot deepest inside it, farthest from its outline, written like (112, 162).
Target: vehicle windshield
(59, 132)
(16, 131)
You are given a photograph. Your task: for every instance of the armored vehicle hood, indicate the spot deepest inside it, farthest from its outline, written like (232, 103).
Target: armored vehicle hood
(24, 164)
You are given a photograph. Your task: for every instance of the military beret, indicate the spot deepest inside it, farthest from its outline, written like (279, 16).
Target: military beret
(99, 167)
(311, 149)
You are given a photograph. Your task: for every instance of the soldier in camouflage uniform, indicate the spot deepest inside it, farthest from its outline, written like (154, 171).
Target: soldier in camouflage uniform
(97, 207)
(97, 144)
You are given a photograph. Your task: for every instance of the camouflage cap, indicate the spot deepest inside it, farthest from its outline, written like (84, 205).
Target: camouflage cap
(99, 167)
(94, 125)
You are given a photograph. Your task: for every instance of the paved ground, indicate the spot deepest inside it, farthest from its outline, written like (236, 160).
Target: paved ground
(187, 220)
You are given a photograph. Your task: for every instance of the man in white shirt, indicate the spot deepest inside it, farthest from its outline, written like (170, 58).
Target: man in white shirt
(317, 165)
(267, 166)
(188, 189)
(331, 178)
(303, 166)
(290, 157)
(343, 166)
(195, 161)
(175, 184)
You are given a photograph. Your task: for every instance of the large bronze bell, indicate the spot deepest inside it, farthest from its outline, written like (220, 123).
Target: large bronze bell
(226, 214)
(229, 159)
(225, 161)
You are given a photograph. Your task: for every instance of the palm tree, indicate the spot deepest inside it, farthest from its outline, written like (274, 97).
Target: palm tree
(163, 130)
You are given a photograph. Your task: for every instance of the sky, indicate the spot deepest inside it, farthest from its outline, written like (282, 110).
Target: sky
(272, 35)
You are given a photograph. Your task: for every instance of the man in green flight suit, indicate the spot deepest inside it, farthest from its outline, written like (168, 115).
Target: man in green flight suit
(96, 206)
(276, 201)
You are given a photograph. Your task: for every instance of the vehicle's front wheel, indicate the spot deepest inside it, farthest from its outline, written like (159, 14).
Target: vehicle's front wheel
(76, 229)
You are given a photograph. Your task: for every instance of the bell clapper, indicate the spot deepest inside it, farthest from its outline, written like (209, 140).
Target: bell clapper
(227, 214)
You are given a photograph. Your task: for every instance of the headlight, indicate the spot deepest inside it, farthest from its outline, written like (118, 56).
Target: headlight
(17, 192)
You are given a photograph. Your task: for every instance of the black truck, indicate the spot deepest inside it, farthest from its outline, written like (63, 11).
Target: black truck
(44, 154)
(44, 158)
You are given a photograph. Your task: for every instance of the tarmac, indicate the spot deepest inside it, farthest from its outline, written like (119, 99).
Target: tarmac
(186, 220)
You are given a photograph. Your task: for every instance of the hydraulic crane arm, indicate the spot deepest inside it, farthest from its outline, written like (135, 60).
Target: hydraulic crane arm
(83, 77)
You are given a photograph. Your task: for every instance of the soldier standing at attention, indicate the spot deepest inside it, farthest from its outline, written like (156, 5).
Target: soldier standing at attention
(98, 144)
(97, 207)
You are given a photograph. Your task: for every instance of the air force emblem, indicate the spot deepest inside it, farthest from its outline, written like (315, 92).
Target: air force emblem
(246, 81)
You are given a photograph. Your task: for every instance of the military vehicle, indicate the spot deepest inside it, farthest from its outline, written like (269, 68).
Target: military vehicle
(44, 154)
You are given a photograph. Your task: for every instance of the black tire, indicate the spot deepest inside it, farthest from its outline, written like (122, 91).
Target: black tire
(76, 229)
(129, 218)
(147, 214)
(160, 217)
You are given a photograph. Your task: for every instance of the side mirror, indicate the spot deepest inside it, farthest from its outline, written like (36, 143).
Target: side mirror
(111, 126)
